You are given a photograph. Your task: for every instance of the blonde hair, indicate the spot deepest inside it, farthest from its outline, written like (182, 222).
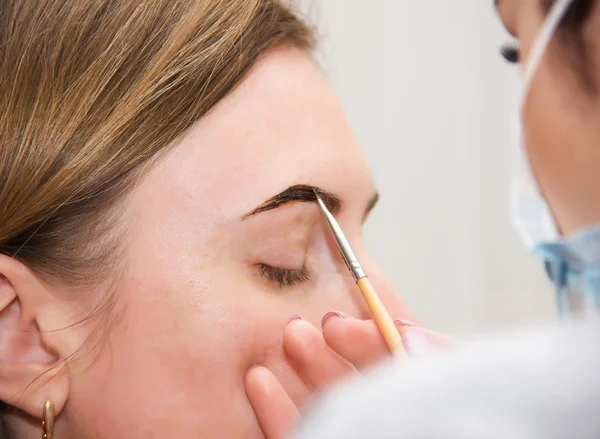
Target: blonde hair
(90, 91)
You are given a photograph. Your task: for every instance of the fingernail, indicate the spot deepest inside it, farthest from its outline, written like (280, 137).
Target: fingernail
(416, 343)
(402, 322)
(254, 366)
(295, 317)
(330, 314)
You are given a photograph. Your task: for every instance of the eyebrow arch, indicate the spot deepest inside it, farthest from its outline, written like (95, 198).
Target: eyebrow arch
(299, 192)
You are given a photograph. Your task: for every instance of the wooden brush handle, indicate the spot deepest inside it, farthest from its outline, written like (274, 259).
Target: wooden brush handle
(382, 318)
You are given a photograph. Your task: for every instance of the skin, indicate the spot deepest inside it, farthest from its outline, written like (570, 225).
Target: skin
(202, 344)
(560, 118)
(192, 317)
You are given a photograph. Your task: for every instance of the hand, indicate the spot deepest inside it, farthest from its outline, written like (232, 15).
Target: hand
(344, 347)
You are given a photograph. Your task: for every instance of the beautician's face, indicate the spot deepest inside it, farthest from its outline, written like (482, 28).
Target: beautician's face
(561, 116)
(207, 290)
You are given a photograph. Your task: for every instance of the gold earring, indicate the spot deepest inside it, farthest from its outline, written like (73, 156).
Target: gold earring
(48, 419)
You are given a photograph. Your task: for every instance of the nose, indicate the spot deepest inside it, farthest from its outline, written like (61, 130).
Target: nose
(350, 297)
(386, 290)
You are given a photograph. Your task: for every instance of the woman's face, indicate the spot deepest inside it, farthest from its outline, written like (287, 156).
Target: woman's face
(561, 114)
(209, 286)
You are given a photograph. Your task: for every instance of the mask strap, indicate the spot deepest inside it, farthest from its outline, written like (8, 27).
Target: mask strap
(557, 13)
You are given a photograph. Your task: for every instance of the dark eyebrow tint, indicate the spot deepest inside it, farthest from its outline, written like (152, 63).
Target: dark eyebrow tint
(300, 192)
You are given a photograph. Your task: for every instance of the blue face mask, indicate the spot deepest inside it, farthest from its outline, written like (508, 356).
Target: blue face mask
(573, 263)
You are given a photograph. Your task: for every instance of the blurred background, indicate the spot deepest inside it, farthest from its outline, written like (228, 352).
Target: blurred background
(435, 107)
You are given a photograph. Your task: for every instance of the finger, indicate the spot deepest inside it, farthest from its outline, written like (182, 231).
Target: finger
(439, 339)
(316, 363)
(358, 341)
(418, 341)
(275, 411)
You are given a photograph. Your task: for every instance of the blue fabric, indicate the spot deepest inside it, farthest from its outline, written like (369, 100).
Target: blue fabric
(573, 265)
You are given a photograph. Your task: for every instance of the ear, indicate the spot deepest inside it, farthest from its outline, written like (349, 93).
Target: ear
(31, 370)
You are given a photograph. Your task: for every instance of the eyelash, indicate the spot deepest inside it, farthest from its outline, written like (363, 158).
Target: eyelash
(283, 277)
(510, 52)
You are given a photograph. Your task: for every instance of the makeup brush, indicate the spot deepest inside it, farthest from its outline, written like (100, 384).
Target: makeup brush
(382, 318)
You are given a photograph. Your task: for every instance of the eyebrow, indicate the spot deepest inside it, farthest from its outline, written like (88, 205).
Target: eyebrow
(305, 193)
(372, 203)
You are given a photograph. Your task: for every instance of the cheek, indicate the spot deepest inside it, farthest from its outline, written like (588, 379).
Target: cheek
(551, 109)
(560, 143)
(174, 367)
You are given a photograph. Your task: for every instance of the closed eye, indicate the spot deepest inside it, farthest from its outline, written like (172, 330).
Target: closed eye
(282, 276)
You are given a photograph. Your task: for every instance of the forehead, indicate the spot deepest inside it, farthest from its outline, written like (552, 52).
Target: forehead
(281, 126)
